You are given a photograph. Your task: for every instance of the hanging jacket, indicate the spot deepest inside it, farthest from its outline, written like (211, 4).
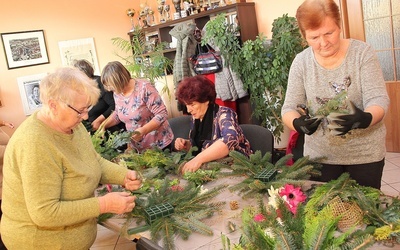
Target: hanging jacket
(228, 85)
(186, 47)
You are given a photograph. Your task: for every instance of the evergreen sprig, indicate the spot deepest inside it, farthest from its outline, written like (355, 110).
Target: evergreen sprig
(109, 145)
(167, 162)
(201, 176)
(191, 205)
(296, 174)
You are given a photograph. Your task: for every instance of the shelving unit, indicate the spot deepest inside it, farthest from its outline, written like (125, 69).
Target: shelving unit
(247, 21)
(245, 13)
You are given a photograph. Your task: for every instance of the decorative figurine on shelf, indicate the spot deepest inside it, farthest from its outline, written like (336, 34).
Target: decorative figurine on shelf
(160, 8)
(166, 11)
(145, 15)
(191, 7)
(150, 17)
(186, 7)
(130, 13)
(177, 5)
(222, 3)
(197, 7)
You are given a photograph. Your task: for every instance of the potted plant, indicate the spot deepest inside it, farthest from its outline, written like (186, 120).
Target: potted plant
(144, 59)
(262, 64)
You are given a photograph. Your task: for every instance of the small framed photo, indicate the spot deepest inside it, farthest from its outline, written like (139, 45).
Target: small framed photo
(26, 48)
(84, 48)
(29, 90)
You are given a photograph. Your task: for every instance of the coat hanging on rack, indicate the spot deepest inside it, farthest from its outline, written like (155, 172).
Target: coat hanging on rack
(228, 84)
(186, 46)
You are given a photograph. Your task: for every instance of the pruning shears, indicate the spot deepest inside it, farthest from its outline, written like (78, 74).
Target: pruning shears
(303, 110)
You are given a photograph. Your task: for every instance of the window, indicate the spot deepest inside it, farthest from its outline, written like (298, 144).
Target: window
(382, 31)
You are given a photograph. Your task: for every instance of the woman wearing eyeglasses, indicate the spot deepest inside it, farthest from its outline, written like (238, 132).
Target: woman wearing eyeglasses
(139, 105)
(51, 172)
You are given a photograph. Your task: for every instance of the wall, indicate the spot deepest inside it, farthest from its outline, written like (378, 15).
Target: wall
(268, 10)
(72, 19)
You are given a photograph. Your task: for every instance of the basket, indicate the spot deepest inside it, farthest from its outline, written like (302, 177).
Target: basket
(350, 213)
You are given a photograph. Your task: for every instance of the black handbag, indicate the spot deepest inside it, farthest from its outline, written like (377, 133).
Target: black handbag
(206, 62)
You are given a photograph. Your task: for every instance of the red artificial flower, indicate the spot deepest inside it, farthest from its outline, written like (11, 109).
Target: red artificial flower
(176, 188)
(259, 218)
(293, 196)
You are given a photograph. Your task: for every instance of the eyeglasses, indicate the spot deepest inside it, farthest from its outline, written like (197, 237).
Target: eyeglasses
(80, 113)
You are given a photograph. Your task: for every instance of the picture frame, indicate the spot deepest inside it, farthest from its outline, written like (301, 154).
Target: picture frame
(29, 91)
(25, 48)
(84, 48)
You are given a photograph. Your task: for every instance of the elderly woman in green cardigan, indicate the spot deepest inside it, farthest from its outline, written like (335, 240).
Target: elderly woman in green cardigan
(51, 172)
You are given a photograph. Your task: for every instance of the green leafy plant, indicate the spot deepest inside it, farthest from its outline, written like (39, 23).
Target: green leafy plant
(110, 145)
(141, 59)
(263, 65)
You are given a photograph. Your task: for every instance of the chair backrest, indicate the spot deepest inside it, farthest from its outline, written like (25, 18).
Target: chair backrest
(180, 127)
(260, 138)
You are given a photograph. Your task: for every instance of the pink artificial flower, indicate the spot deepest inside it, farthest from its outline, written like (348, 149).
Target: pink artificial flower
(293, 196)
(259, 218)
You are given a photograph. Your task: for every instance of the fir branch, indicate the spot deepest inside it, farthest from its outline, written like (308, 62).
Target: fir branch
(283, 161)
(283, 239)
(190, 207)
(201, 176)
(295, 174)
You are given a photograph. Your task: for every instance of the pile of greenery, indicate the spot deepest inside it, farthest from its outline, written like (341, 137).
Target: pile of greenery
(296, 174)
(110, 145)
(191, 205)
(314, 225)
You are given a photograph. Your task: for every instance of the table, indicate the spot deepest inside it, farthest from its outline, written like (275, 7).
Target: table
(218, 222)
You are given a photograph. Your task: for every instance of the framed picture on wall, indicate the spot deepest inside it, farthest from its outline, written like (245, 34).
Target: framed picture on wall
(26, 48)
(29, 91)
(79, 49)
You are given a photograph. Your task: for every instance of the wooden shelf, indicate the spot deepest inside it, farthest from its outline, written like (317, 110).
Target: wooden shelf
(246, 16)
(247, 21)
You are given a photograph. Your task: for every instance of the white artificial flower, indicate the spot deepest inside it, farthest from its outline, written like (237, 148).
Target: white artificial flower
(269, 232)
(203, 190)
(273, 197)
(280, 221)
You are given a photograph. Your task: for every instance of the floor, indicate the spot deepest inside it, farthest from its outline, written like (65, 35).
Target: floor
(109, 240)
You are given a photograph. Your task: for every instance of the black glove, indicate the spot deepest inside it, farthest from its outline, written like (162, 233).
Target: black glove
(340, 124)
(306, 124)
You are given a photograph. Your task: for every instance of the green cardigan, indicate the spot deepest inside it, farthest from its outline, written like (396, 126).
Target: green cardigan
(48, 189)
